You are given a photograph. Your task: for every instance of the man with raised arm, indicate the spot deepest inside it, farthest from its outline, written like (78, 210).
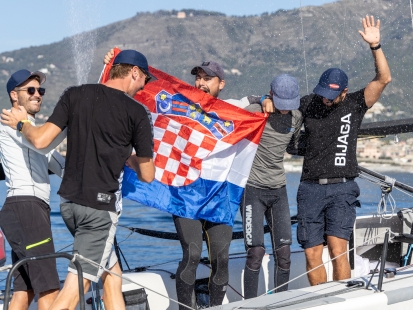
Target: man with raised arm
(104, 123)
(25, 216)
(209, 77)
(327, 195)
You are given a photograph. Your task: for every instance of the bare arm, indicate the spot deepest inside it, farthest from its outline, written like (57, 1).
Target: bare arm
(143, 167)
(40, 137)
(371, 35)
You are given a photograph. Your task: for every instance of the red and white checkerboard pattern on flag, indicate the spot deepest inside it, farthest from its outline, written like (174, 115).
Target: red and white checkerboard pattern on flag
(179, 151)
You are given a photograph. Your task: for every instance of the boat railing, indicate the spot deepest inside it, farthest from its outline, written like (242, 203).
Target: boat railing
(22, 261)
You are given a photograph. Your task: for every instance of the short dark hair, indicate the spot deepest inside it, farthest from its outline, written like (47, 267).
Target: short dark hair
(119, 71)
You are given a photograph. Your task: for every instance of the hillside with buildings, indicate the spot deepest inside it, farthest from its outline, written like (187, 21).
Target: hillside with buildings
(252, 49)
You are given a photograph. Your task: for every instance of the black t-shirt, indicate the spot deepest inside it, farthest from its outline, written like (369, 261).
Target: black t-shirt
(103, 125)
(331, 134)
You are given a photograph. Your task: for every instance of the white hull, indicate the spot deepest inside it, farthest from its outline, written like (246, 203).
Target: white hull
(397, 291)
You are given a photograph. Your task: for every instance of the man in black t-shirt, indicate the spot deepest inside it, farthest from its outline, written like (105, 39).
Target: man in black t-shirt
(104, 123)
(327, 195)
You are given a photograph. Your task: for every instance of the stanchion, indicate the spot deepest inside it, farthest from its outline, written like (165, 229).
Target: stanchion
(54, 255)
(383, 261)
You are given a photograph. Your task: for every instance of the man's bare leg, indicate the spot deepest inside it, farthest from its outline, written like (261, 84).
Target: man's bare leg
(21, 300)
(341, 265)
(46, 299)
(112, 289)
(68, 297)
(314, 258)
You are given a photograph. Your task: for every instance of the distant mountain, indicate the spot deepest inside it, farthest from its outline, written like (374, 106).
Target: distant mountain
(252, 49)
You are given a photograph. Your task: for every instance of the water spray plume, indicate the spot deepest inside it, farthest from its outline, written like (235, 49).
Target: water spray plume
(83, 43)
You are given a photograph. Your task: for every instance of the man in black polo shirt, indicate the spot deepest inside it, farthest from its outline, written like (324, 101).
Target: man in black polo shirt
(104, 123)
(327, 195)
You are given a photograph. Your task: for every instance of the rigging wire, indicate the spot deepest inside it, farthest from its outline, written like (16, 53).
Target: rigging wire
(411, 12)
(302, 41)
(344, 32)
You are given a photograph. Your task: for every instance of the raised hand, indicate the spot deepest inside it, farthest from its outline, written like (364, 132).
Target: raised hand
(371, 33)
(108, 57)
(11, 118)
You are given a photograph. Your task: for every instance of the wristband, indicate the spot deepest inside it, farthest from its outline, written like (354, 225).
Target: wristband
(376, 47)
(264, 97)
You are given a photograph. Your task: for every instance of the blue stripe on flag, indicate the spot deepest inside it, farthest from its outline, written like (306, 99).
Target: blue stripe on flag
(217, 202)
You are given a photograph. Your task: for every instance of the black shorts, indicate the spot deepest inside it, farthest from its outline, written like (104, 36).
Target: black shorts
(25, 221)
(325, 210)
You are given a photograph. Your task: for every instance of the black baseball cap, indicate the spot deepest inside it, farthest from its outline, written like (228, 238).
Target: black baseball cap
(21, 76)
(332, 82)
(211, 68)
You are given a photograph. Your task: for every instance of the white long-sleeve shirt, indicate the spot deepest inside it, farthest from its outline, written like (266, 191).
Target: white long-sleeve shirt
(25, 167)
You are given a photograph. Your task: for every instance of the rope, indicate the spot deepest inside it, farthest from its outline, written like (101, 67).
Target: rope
(379, 182)
(386, 198)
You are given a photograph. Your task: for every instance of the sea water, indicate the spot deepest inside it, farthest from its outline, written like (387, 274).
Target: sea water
(148, 251)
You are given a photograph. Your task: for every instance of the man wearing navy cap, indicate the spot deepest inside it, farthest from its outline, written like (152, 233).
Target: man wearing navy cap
(104, 123)
(25, 215)
(327, 195)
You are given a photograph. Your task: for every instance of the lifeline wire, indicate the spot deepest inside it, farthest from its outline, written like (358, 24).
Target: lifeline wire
(270, 291)
(126, 278)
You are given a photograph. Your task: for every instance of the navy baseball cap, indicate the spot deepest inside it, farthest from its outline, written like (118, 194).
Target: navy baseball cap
(211, 68)
(285, 92)
(21, 76)
(331, 84)
(132, 57)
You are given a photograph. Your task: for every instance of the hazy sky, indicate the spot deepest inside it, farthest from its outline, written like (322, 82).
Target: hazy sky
(27, 23)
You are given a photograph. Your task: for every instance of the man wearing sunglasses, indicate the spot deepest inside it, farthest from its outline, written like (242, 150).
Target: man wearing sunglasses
(104, 123)
(327, 195)
(25, 216)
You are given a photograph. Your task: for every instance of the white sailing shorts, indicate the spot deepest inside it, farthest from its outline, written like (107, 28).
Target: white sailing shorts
(94, 231)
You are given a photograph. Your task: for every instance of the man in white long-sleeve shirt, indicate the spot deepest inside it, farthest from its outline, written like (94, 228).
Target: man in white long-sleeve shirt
(25, 216)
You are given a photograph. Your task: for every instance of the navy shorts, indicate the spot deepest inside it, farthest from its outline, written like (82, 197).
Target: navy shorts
(325, 210)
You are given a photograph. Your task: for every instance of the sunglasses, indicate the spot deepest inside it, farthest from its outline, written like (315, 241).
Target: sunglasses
(32, 90)
(147, 76)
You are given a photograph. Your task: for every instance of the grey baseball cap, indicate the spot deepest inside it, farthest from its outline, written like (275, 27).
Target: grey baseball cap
(211, 68)
(285, 92)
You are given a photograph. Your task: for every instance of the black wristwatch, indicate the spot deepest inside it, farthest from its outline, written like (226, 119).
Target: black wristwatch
(20, 124)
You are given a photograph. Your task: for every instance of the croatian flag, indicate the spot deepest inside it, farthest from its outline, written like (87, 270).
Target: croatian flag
(203, 151)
